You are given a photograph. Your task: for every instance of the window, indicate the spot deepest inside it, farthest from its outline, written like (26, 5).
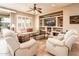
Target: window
(0, 24)
(23, 22)
(5, 22)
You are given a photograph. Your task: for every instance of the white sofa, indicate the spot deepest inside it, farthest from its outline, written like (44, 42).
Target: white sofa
(4, 51)
(62, 47)
(28, 48)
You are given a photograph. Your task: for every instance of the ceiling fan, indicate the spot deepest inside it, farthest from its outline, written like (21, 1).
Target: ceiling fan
(35, 8)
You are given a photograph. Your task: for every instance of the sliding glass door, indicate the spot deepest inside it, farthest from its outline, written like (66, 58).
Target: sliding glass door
(5, 22)
(0, 24)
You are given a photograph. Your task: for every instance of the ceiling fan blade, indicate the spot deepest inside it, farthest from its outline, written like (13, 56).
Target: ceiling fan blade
(34, 7)
(39, 8)
(31, 9)
(39, 11)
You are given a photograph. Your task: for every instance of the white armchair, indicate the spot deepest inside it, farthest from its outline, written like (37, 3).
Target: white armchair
(61, 47)
(25, 49)
(28, 48)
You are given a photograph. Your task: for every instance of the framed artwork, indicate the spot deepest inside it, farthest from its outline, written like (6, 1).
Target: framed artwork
(74, 19)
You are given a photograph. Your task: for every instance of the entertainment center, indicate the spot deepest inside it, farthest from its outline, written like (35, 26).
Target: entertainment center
(52, 22)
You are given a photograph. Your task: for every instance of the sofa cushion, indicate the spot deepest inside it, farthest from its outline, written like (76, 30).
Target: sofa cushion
(29, 29)
(42, 32)
(40, 36)
(24, 38)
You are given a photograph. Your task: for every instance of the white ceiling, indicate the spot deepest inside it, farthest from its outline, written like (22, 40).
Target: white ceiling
(24, 7)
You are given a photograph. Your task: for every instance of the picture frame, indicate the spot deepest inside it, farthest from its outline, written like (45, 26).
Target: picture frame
(74, 19)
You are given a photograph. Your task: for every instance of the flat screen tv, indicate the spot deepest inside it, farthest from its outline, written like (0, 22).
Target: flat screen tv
(49, 22)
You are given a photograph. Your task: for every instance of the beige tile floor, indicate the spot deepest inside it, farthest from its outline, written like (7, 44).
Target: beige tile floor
(43, 52)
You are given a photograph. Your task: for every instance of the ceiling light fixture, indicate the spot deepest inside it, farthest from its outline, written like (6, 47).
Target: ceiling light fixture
(53, 5)
(35, 9)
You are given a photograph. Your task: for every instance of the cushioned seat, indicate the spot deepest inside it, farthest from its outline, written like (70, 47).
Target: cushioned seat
(61, 47)
(27, 48)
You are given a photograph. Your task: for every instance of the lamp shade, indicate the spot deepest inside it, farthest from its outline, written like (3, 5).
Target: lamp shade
(13, 27)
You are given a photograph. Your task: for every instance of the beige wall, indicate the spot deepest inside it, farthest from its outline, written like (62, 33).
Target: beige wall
(67, 12)
(36, 23)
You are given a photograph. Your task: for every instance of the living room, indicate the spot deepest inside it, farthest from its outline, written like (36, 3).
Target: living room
(39, 29)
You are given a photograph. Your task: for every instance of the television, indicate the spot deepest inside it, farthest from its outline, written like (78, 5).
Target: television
(49, 22)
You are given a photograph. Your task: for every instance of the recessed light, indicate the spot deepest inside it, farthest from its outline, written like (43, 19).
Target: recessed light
(53, 5)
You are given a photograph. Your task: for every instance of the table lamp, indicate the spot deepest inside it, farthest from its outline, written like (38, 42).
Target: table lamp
(13, 27)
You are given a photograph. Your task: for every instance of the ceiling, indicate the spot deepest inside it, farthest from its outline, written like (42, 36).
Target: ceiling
(24, 7)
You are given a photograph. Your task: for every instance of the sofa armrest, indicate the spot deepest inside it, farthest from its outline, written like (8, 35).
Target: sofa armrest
(55, 41)
(22, 52)
(28, 44)
(62, 35)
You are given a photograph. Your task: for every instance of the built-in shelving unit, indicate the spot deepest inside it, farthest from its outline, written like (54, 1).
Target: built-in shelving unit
(56, 18)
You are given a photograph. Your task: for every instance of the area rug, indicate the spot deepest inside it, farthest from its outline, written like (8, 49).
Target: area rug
(43, 52)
